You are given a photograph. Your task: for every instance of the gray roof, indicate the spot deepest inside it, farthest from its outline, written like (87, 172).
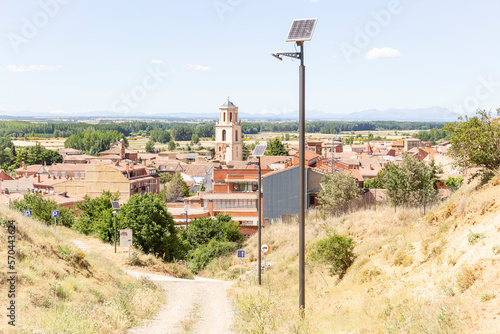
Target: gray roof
(228, 104)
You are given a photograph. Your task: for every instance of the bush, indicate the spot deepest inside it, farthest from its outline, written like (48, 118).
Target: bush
(200, 257)
(42, 209)
(337, 252)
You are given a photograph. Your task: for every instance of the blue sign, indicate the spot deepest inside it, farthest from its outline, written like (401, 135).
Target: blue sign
(28, 213)
(55, 213)
(241, 253)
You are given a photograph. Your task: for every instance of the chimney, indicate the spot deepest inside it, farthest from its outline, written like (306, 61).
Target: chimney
(122, 148)
(38, 178)
(128, 171)
(22, 165)
(45, 163)
(132, 163)
(144, 161)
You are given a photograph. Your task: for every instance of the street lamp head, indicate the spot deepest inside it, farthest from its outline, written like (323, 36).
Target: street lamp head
(277, 56)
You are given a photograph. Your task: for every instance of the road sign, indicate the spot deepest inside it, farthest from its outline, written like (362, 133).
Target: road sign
(265, 248)
(241, 253)
(55, 213)
(28, 213)
(125, 238)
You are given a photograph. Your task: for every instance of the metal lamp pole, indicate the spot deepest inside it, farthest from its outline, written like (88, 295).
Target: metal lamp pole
(300, 32)
(259, 209)
(115, 229)
(302, 199)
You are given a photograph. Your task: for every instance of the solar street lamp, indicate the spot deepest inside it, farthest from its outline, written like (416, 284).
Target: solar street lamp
(116, 207)
(300, 32)
(259, 152)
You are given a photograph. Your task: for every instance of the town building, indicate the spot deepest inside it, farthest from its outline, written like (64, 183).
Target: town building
(228, 144)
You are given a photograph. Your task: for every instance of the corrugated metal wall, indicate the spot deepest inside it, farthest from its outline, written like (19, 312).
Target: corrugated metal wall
(281, 194)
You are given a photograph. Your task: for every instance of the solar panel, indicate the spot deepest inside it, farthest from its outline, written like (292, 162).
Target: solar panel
(115, 205)
(259, 150)
(301, 30)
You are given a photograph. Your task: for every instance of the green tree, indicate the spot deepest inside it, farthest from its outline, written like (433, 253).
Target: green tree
(338, 188)
(94, 142)
(153, 227)
(42, 209)
(150, 146)
(475, 142)
(95, 216)
(275, 147)
(160, 136)
(373, 183)
(454, 182)
(246, 151)
(36, 155)
(177, 188)
(171, 146)
(409, 182)
(195, 139)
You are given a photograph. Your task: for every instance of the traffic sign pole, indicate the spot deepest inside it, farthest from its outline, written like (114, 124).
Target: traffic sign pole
(55, 225)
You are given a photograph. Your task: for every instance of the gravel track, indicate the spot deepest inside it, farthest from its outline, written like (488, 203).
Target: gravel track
(193, 306)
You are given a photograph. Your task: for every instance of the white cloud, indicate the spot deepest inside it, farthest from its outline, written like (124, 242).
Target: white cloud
(379, 53)
(31, 68)
(156, 61)
(197, 67)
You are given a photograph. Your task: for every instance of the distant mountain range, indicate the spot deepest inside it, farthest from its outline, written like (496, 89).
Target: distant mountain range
(432, 114)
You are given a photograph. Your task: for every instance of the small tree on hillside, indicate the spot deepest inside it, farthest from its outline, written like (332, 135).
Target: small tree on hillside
(338, 188)
(475, 142)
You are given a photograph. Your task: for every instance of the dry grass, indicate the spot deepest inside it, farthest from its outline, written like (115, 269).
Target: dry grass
(403, 280)
(61, 289)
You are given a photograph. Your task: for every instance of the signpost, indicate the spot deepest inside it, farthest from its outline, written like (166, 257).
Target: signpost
(28, 213)
(126, 239)
(241, 255)
(265, 249)
(55, 215)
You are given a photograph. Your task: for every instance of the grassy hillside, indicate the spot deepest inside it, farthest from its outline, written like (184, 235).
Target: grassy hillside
(60, 289)
(438, 273)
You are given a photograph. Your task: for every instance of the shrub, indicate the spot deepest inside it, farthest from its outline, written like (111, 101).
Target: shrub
(474, 237)
(466, 278)
(200, 257)
(42, 209)
(337, 252)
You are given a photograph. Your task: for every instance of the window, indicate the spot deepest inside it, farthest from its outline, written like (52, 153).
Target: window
(224, 117)
(236, 136)
(223, 135)
(240, 187)
(230, 117)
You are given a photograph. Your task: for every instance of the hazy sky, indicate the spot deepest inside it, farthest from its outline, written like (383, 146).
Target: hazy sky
(168, 56)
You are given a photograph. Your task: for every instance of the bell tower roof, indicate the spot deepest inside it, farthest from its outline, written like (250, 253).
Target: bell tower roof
(228, 103)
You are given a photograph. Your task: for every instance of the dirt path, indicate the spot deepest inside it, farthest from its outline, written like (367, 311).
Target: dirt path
(193, 306)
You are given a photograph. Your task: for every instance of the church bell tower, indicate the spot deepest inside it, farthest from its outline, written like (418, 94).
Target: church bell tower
(228, 144)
